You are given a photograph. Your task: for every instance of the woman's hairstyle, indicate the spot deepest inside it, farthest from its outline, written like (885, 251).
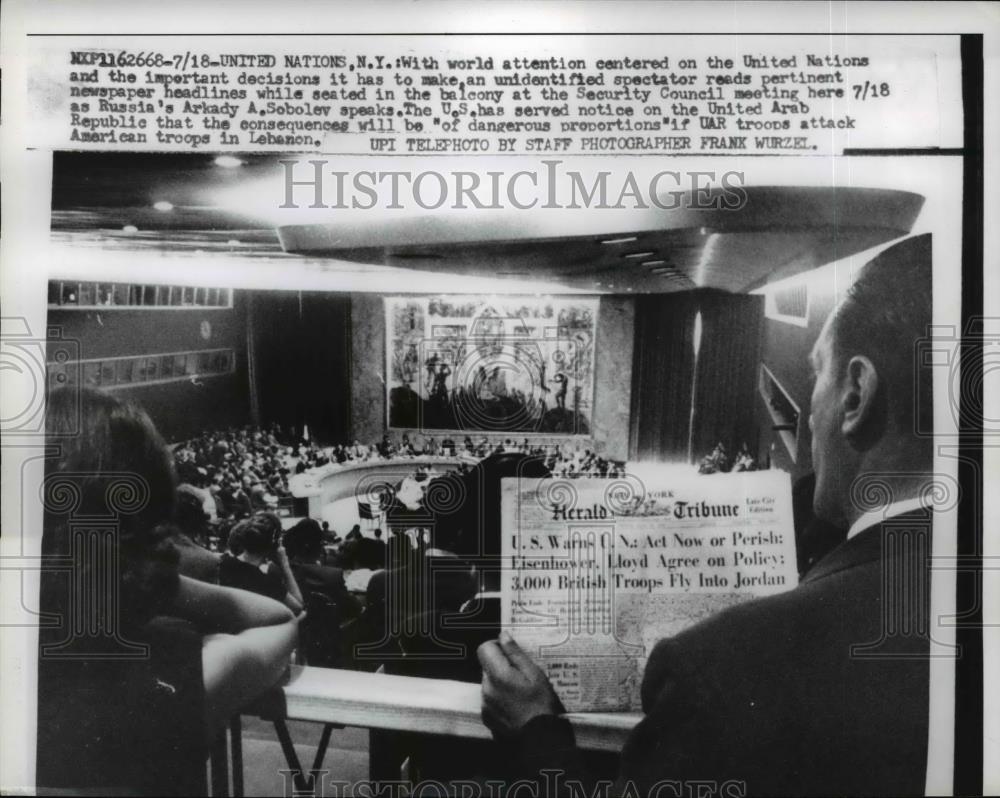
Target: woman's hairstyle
(256, 535)
(110, 464)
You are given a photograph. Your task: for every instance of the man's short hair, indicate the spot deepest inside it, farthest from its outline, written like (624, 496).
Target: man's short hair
(304, 541)
(883, 315)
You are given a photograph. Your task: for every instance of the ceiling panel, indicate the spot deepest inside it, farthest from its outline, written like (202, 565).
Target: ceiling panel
(108, 200)
(778, 232)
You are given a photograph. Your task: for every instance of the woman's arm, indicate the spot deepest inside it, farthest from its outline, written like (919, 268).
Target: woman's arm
(213, 608)
(248, 645)
(239, 668)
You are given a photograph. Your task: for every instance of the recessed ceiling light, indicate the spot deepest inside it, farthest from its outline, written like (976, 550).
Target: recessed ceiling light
(624, 240)
(228, 161)
(130, 228)
(653, 262)
(638, 254)
(163, 205)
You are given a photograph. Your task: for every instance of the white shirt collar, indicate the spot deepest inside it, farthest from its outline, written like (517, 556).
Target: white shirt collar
(873, 517)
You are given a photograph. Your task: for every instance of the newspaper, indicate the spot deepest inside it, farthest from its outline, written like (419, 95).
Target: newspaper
(470, 212)
(599, 572)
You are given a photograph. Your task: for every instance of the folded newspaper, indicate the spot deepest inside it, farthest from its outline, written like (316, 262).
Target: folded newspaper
(598, 570)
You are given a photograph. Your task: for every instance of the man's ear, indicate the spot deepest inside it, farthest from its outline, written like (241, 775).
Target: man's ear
(858, 396)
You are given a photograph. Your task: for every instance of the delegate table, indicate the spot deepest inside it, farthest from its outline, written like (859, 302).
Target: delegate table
(380, 701)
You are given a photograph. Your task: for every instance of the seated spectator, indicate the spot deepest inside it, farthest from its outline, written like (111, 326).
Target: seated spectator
(304, 546)
(348, 555)
(328, 603)
(260, 547)
(434, 581)
(330, 536)
(370, 552)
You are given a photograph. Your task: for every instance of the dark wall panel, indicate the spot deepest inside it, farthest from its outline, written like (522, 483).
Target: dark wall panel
(368, 367)
(181, 410)
(668, 378)
(726, 375)
(178, 408)
(301, 361)
(117, 332)
(663, 371)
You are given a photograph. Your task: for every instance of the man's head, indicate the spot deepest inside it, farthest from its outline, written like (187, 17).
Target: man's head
(304, 541)
(867, 378)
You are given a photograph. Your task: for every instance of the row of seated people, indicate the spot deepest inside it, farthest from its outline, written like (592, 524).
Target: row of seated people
(287, 567)
(244, 469)
(248, 469)
(341, 627)
(438, 558)
(576, 457)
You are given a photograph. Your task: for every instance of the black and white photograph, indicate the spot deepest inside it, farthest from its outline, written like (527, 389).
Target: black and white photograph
(470, 400)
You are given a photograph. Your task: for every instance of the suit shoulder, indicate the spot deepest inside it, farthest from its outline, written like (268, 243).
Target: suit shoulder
(768, 631)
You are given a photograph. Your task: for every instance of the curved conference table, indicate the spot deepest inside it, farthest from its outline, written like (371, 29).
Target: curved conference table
(364, 480)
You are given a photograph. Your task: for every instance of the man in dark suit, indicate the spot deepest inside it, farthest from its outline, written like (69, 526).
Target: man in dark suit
(304, 545)
(327, 601)
(822, 690)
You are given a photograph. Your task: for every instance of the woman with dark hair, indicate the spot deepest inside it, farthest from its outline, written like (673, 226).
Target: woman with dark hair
(139, 667)
(261, 564)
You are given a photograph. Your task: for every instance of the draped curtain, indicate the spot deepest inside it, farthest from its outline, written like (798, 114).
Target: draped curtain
(299, 353)
(681, 403)
(663, 370)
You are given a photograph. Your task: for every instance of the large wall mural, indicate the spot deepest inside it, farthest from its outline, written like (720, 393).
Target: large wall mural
(491, 364)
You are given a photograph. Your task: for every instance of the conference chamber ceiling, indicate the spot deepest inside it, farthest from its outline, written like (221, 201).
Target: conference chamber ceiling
(225, 213)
